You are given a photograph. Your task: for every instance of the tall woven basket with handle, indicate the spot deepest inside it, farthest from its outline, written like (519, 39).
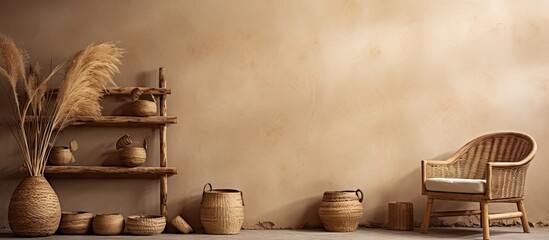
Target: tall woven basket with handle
(222, 210)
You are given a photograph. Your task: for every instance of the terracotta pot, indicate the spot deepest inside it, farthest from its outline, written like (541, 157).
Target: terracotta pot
(34, 208)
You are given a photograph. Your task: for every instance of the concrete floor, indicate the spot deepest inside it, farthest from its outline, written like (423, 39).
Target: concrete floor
(497, 233)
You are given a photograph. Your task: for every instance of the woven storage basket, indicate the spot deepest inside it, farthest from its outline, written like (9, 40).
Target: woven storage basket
(133, 156)
(401, 216)
(75, 222)
(144, 108)
(108, 224)
(180, 224)
(222, 210)
(34, 208)
(146, 224)
(60, 155)
(340, 211)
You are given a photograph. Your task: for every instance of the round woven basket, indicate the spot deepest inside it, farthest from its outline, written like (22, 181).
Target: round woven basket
(60, 155)
(146, 224)
(34, 208)
(144, 108)
(108, 224)
(222, 210)
(340, 211)
(133, 156)
(75, 222)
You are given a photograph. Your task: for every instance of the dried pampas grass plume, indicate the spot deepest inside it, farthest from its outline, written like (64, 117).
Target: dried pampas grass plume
(88, 74)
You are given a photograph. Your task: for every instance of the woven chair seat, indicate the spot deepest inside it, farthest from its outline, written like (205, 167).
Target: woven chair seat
(455, 185)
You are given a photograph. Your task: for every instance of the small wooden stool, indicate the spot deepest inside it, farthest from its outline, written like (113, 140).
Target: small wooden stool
(401, 216)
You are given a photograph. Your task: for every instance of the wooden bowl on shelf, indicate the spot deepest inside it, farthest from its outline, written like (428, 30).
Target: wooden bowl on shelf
(146, 224)
(108, 224)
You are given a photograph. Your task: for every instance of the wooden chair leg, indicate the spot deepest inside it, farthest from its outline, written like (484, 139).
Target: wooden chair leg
(481, 215)
(523, 219)
(427, 215)
(485, 220)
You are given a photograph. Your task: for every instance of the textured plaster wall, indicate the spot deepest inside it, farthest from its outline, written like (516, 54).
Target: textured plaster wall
(287, 99)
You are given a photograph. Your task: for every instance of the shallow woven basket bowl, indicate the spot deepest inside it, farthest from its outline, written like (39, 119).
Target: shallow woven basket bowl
(144, 108)
(146, 224)
(133, 156)
(75, 222)
(108, 224)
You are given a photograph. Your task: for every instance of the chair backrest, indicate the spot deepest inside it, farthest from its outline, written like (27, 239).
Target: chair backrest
(495, 147)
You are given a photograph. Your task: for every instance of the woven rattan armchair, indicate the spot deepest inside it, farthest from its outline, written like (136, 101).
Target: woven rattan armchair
(488, 169)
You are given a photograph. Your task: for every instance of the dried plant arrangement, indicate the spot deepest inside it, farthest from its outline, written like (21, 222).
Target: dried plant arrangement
(40, 115)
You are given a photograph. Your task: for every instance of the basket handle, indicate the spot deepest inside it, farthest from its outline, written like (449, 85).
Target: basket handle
(360, 196)
(242, 197)
(204, 191)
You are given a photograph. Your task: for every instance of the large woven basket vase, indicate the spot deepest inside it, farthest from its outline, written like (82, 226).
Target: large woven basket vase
(340, 211)
(222, 210)
(34, 208)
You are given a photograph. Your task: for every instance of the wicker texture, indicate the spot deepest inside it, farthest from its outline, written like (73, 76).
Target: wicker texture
(222, 211)
(133, 156)
(340, 211)
(75, 223)
(144, 108)
(477, 157)
(501, 159)
(108, 224)
(145, 224)
(180, 224)
(34, 208)
(60, 156)
(401, 216)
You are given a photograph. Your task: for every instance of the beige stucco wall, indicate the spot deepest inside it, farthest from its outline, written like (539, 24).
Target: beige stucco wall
(287, 99)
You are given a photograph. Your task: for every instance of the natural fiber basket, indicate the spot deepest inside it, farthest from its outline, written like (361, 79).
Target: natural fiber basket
(108, 224)
(75, 222)
(34, 208)
(180, 224)
(144, 108)
(222, 210)
(133, 156)
(340, 211)
(401, 216)
(146, 224)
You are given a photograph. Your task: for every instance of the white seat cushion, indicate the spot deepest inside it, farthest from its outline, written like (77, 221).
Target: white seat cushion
(456, 185)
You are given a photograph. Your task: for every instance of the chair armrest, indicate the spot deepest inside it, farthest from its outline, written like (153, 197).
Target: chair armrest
(506, 179)
(436, 168)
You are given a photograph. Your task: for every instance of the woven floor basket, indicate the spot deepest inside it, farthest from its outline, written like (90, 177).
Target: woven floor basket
(222, 210)
(340, 211)
(401, 216)
(145, 224)
(108, 224)
(34, 208)
(75, 223)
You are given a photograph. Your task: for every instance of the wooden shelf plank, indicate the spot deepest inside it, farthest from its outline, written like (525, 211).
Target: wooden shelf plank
(127, 90)
(106, 120)
(122, 120)
(109, 171)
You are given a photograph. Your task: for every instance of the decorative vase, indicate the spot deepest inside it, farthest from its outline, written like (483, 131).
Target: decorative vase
(34, 208)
